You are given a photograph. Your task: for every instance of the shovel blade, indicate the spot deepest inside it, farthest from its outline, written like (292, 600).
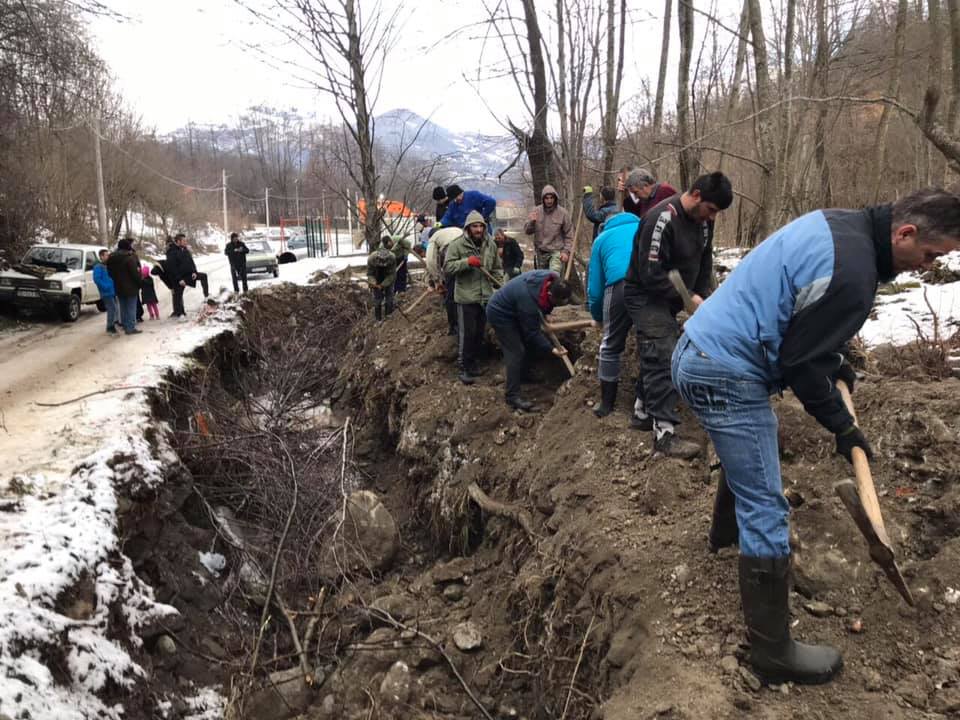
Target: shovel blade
(880, 552)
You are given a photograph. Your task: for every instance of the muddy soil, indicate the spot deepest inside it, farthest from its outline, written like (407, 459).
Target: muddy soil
(550, 565)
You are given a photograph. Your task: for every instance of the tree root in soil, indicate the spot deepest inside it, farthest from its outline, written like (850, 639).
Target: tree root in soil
(520, 516)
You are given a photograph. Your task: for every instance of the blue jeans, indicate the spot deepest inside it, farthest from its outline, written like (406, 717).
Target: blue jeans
(128, 312)
(112, 311)
(736, 412)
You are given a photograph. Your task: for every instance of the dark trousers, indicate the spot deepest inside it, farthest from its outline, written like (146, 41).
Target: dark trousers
(656, 337)
(450, 283)
(514, 357)
(616, 327)
(139, 310)
(238, 274)
(177, 292)
(400, 284)
(204, 283)
(472, 322)
(382, 302)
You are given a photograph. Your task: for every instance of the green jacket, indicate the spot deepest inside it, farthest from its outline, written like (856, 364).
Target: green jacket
(472, 285)
(381, 268)
(401, 248)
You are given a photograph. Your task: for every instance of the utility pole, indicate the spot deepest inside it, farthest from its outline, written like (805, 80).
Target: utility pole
(226, 230)
(326, 230)
(101, 199)
(266, 195)
(296, 185)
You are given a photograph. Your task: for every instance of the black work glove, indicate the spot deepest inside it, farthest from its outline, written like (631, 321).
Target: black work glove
(850, 438)
(847, 374)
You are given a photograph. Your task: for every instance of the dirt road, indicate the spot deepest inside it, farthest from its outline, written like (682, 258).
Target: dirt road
(54, 362)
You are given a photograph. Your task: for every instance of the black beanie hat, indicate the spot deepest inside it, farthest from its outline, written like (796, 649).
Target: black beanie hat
(439, 193)
(125, 244)
(453, 191)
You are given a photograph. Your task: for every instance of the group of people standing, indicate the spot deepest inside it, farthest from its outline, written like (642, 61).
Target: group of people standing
(126, 284)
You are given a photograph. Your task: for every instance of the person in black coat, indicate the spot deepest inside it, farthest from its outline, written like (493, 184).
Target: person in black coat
(511, 254)
(180, 271)
(124, 267)
(236, 252)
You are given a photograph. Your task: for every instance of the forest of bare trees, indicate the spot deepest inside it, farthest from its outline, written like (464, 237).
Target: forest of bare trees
(805, 103)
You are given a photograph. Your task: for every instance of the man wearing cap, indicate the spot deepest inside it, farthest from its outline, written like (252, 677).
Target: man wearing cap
(676, 235)
(552, 232)
(473, 259)
(462, 203)
(641, 192)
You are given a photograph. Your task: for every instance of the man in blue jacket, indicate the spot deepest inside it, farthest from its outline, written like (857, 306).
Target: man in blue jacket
(108, 291)
(516, 312)
(781, 320)
(609, 260)
(462, 203)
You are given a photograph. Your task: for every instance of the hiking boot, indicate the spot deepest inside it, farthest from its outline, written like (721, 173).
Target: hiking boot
(466, 378)
(775, 657)
(474, 372)
(608, 398)
(639, 423)
(724, 530)
(134, 332)
(518, 403)
(671, 445)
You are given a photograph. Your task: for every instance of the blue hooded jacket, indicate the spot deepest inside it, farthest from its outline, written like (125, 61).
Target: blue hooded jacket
(610, 258)
(103, 281)
(456, 214)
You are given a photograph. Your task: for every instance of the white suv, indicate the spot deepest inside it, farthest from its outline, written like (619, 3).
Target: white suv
(57, 277)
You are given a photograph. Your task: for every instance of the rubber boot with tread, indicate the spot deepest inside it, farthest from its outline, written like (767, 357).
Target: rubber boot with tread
(775, 657)
(672, 445)
(608, 398)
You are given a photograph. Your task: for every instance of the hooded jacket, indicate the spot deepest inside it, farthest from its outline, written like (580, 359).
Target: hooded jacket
(517, 303)
(382, 267)
(785, 312)
(103, 281)
(236, 253)
(551, 229)
(610, 258)
(472, 285)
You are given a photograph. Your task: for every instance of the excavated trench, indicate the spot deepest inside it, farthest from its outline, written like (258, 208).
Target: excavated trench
(349, 533)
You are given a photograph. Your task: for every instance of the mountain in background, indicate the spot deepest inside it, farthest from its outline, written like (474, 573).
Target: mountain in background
(471, 160)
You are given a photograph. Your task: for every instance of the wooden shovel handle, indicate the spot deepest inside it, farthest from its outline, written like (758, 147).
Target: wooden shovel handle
(688, 304)
(416, 302)
(861, 468)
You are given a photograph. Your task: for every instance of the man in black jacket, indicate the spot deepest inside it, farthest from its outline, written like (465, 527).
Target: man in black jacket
(181, 271)
(236, 251)
(677, 235)
(124, 267)
(511, 254)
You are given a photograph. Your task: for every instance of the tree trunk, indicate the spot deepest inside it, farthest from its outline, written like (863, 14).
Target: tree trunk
(733, 97)
(821, 72)
(953, 115)
(614, 81)
(662, 75)
(537, 143)
(688, 161)
(364, 127)
(893, 90)
(766, 125)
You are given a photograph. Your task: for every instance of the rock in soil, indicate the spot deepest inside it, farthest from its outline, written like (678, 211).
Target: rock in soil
(370, 532)
(818, 609)
(466, 636)
(750, 680)
(915, 689)
(729, 664)
(397, 685)
(285, 696)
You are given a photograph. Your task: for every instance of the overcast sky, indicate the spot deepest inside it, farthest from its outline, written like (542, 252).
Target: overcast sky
(178, 60)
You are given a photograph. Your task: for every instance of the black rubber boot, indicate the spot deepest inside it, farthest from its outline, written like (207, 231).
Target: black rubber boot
(608, 398)
(378, 312)
(518, 403)
(724, 530)
(775, 657)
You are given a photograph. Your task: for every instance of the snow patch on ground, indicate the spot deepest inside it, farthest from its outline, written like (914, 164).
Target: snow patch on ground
(896, 317)
(64, 537)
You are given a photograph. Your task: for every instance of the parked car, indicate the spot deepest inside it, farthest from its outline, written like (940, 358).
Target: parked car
(53, 277)
(297, 244)
(261, 257)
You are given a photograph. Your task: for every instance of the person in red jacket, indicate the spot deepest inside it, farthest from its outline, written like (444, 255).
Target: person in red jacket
(641, 191)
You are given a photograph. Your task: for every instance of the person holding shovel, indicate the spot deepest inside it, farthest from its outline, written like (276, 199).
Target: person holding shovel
(473, 260)
(381, 275)
(676, 235)
(781, 319)
(516, 312)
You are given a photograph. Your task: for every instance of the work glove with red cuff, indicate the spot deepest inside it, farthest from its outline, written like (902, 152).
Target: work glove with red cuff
(847, 374)
(473, 261)
(850, 438)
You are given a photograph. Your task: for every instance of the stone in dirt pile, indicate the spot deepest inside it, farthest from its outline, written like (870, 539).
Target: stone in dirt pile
(369, 532)
(466, 636)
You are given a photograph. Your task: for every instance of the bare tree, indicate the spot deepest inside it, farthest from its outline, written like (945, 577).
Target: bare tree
(893, 90)
(662, 73)
(614, 79)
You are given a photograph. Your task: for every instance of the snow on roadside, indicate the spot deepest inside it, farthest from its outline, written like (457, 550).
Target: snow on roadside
(58, 533)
